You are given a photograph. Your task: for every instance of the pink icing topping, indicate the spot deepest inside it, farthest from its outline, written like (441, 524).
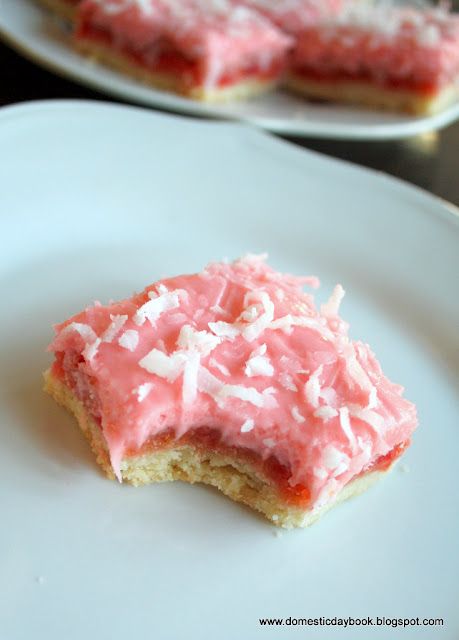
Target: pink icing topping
(242, 349)
(383, 42)
(224, 38)
(292, 16)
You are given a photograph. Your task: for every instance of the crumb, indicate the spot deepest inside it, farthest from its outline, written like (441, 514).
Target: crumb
(404, 468)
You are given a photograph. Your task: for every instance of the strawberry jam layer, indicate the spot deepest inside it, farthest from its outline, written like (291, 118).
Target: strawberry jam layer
(417, 87)
(208, 441)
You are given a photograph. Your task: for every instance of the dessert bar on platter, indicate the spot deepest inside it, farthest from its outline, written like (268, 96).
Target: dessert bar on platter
(203, 49)
(393, 57)
(232, 377)
(380, 55)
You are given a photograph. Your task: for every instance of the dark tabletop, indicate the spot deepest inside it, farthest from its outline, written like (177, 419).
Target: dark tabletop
(430, 160)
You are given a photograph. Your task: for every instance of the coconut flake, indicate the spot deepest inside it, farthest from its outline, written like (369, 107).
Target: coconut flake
(224, 329)
(190, 377)
(319, 472)
(325, 413)
(221, 367)
(208, 383)
(331, 308)
(157, 305)
(288, 322)
(335, 460)
(129, 339)
(163, 365)
(354, 368)
(117, 323)
(286, 381)
(269, 442)
(216, 308)
(161, 289)
(143, 390)
(86, 332)
(192, 340)
(280, 294)
(297, 416)
(373, 419)
(255, 300)
(258, 363)
(345, 424)
(247, 394)
(329, 395)
(312, 387)
(373, 400)
(91, 349)
(247, 426)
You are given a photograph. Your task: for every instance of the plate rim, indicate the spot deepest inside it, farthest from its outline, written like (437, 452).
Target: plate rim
(176, 104)
(438, 205)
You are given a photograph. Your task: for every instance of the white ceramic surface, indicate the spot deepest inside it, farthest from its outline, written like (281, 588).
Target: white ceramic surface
(33, 32)
(97, 201)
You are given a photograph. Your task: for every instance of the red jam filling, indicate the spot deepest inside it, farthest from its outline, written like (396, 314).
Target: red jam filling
(208, 440)
(400, 84)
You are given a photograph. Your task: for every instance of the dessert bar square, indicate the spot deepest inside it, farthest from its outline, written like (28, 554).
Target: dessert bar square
(234, 378)
(202, 49)
(399, 58)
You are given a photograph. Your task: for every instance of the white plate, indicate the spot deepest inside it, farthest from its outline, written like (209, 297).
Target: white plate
(34, 33)
(99, 200)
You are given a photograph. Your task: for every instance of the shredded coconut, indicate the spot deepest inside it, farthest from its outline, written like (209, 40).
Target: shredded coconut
(297, 416)
(346, 427)
(325, 413)
(258, 363)
(164, 366)
(335, 460)
(129, 339)
(190, 377)
(221, 367)
(312, 387)
(247, 426)
(373, 419)
(115, 326)
(286, 381)
(153, 308)
(262, 303)
(331, 308)
(224, 329)
(86, 332)
(143, 390)
(201, 341)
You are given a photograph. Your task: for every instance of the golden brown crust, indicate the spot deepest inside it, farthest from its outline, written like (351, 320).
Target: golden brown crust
(368, 95)
(170, 82)
(235, 478)
(60, 7)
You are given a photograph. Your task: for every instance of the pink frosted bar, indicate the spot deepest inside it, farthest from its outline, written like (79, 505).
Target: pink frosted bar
(201, 43)
(241, 349)
(401, 48)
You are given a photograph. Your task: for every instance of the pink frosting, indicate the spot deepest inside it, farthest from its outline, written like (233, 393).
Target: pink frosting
(420, 46)
(242, 349)
(292, 16)
(222, 37)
